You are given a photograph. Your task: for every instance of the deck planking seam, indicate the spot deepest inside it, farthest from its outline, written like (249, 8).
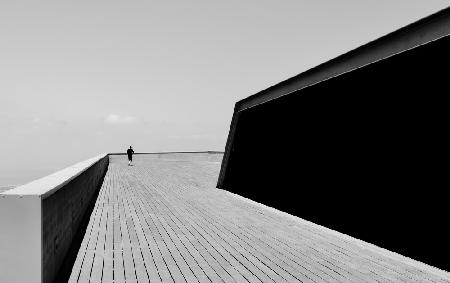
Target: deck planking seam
(252, 235)
(132, 241)
(228, 260)
(204, 217)
(87, 242)
(197, 250)
(161, 254)
(297, 248)
(273, 268)
(200, 258)
(131, 231)
(142, 234)
(239, 254)
(211, 253)
(74, 277)
(176, 241)
(318, 236)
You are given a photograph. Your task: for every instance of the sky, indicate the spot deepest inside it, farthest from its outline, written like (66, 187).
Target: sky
(79, 78)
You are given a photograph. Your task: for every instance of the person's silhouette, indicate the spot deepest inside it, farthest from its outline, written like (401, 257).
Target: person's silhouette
(130, 152)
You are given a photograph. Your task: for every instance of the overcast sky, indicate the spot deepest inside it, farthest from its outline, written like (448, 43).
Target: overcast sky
(78, 78)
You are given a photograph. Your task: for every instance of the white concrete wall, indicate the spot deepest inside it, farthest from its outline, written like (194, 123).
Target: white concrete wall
(24, 217)
(20, 239)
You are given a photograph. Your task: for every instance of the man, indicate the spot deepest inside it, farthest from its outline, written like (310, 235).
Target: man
(130, 152)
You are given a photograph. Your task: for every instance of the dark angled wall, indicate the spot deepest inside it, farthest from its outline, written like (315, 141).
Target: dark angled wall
(363, 153)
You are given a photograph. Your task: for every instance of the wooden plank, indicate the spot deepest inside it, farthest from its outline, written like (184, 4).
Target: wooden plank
(162, 220)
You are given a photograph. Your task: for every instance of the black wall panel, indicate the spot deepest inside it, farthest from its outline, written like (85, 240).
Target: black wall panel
(364, 153)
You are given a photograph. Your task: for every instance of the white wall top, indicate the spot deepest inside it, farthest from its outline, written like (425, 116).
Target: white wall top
(47, 185)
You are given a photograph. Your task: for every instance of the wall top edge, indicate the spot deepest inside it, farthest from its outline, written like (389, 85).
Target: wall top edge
(47, 185)
(171, 152)
(423, 31)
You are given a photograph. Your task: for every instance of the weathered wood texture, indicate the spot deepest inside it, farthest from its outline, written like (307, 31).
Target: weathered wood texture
(163, 220)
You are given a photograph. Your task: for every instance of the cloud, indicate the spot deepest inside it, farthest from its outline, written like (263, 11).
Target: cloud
(36, 120)
(48, 123)
(117, 119)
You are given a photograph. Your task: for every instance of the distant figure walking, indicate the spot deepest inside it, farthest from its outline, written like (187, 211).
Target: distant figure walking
(130, 152)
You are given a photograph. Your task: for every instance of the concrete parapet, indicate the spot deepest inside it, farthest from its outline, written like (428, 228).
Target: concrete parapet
(39, 220)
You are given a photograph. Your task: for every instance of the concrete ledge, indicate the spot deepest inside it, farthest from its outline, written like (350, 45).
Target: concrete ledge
(171, 152)
(47, 185)
(39, 220)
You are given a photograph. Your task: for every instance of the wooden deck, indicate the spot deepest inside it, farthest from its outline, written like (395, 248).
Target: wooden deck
(163, 220)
